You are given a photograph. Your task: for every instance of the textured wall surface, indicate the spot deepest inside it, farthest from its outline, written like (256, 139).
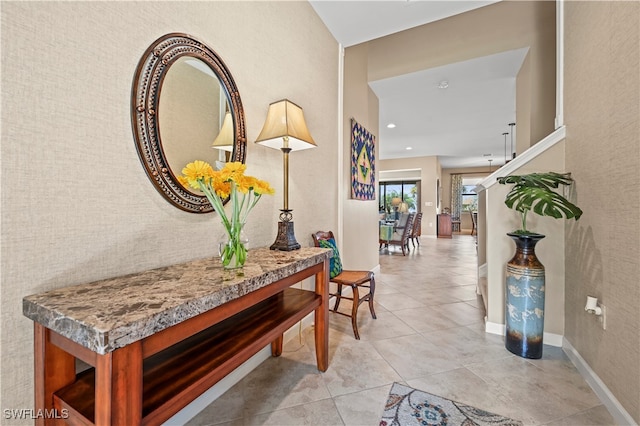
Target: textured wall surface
(76, 203)
(602, 114)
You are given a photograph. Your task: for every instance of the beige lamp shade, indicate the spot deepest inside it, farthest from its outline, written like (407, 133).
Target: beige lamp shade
(284, 126)
(395, 202)
(403, 208)
(225, 138)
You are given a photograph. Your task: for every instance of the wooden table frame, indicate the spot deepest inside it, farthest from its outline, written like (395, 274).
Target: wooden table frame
(115, 389)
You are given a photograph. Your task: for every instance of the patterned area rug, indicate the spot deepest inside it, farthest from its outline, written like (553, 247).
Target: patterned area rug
(407, 407)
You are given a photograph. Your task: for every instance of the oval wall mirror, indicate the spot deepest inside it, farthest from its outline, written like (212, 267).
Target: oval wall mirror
(185, 107)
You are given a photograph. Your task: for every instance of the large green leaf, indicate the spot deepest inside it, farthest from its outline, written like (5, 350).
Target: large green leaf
(536, 192)
(549, 180)
(543, 202)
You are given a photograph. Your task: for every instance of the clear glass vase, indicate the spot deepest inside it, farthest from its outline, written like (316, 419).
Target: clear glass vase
(232, 249)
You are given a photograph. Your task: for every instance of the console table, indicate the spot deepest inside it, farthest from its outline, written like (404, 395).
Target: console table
(156, 340)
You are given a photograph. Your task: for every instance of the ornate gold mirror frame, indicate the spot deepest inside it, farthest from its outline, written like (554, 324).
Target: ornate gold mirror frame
(147, 87)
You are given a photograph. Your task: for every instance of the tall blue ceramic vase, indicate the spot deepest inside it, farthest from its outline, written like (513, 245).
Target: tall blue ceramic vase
(525, 298)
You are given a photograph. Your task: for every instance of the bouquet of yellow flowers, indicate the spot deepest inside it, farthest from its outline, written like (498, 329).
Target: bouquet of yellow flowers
(218, 185)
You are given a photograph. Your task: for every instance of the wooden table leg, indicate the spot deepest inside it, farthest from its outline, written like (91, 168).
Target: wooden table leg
(322, 318)
(54, 369)
(119, 387)
(276, 346)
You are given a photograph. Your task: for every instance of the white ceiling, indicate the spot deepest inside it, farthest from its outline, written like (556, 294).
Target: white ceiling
(460, 124)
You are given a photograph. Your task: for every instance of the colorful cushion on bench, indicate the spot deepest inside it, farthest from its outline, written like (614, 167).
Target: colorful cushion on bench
(335, 265)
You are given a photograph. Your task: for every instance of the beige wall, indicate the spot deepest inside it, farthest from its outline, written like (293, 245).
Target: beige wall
(481, 240)
(522, 130)
(359, 237)
(499, 27)
(602, 114)
(484, 31)
(488, 30)
(76, 203)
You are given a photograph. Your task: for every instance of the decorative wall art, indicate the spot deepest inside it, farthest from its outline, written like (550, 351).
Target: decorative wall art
(363, 185)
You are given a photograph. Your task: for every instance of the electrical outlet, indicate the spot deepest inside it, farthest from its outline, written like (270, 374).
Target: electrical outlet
(603, 317)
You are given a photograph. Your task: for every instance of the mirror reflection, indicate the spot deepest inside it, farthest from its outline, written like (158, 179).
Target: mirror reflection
(194, 116)
(185, 106)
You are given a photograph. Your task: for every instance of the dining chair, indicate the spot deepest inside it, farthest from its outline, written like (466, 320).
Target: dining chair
(474, 222)
(416, 230)
(401, 236)
(352, 278)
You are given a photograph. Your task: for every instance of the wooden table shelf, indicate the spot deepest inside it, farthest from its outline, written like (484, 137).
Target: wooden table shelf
(161, 338)
(198, 361)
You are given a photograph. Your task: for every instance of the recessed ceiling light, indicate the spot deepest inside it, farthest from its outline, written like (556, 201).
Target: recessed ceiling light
(408, 148)
(443, 84)
(391, 126)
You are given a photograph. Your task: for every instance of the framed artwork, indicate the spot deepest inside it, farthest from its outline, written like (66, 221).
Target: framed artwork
(363, 176)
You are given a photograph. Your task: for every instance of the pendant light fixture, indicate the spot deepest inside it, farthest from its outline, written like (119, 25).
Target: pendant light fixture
(506, 159)
(513, 153)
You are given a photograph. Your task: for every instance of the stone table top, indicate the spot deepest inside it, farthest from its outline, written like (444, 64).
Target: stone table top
(105, 315)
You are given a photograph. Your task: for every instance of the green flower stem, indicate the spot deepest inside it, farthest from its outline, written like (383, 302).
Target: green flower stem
(524, 221)
(235, 249)
(216, 203)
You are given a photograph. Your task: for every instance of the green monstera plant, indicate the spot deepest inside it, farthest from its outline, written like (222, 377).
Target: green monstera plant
(536, 192)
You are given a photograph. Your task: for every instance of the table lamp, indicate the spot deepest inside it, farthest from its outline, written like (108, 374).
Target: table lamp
(286, 130)
(395, 202)
(224, 140)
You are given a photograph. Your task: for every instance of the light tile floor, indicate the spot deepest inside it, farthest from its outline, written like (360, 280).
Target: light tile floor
(429, 335)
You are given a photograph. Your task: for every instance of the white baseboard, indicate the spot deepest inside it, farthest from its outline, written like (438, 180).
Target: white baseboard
(214, 392)
(552, 339)
(620, 415)
(376, 270)
(500, 329)
(494, 328)
(482, 270)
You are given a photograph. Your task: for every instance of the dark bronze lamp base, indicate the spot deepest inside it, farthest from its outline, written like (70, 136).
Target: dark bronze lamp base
(286, 240)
